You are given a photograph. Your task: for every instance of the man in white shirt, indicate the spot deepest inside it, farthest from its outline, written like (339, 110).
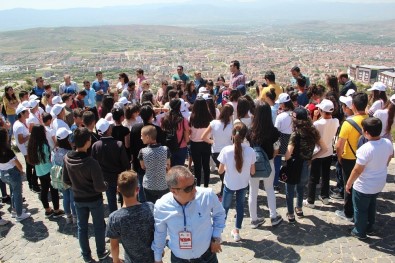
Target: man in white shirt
(68, 86)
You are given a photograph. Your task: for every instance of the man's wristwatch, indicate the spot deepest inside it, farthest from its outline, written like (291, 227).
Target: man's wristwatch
(216, 240)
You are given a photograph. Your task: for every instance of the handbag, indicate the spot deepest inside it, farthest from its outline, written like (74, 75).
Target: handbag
(290, 173)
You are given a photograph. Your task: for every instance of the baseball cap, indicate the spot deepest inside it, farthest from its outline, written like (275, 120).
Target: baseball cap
(203, 90)
(33, 97)
(56, 100)
(346, 100)
(25, 103)
(124, 100)
(300, 113)
(57, 108)
(20, 108)
(378, 86)
(102, 125)
(207, 96)
(326, 105)
(62, 133)
(33, 103)
(350, 92)
(184, 107)
(283, 97)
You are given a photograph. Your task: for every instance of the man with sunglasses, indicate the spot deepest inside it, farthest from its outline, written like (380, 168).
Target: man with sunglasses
(191, 216)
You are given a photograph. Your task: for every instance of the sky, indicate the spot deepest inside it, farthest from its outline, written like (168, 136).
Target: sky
(52, 4)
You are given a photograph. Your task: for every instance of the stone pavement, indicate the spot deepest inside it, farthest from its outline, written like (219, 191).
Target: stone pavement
(319, 237)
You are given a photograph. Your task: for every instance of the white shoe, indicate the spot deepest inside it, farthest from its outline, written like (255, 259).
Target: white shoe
(13, 213)
(256, 223)
(325, 201)
(307, 204)
(236, 236)
(23, 216)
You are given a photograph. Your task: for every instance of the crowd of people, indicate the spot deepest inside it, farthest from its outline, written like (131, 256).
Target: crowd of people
(149, 152)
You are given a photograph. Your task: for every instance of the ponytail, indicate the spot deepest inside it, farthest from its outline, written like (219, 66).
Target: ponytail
(239, 133)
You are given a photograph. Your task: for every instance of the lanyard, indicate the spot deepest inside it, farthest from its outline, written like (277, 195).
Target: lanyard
(185, 219)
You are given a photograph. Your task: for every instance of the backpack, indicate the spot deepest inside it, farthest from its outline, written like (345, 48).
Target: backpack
(57, 178)
(171, 139)
(262, 165)
(361, 140)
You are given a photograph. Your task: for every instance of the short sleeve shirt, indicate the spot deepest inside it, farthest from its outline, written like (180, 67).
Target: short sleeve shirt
(350, 134)
(20, 128)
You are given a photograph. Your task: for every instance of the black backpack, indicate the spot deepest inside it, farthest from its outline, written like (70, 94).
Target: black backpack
(171, 139)
(361, 140)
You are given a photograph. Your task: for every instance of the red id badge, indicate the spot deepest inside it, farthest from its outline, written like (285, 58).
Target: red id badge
(185, 240)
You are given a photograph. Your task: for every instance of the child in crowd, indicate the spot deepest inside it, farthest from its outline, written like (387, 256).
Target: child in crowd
(155, 160)
(49, 132)
(131, 116)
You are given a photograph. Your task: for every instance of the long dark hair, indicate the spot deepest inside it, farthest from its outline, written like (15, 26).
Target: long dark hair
(262, 128)
(378, 95)
(107, 104)
(166, 94)
(173, 117)
(226, 114)
(243, 107)
(239, 133)
(124, 76)
(211, 108)
(9, 98)
(64, 143)
(4, 146)
(200, 117)
(391, 114)
(333, 84)
(35, 147)
(306, 130)
(188, 88)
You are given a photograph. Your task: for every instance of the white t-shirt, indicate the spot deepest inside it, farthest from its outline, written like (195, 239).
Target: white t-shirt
(374, 156)
(247, 121)
(58, 123)
(32, 119)
(221, 137)
(234, 105)
(49, 133)
(121, 87)
(8, 165)
(48, 108)
(284, 122)
(233, 179)
(217, 113)
(383, 116)
(377, 105)
(327, 129)
(20, 128)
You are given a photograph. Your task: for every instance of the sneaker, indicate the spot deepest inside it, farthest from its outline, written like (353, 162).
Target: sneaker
(23, 216)
(88, 260)
(371, 232)
(299, 212)
(69, 219)
(256, 223)
(276, 189)
(276, 221)
(49, 214)
(353, 234)
(13, 213)
(337, 196)
(334, 189)
(3, 222)
(291, 218)
(104, 255)
(58, 214)
(74, 219)
(236, 236)
(324, 200)
(307, 204)
(340, 213)
(36, 189)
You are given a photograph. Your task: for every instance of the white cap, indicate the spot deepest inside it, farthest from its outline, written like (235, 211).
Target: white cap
(123, 100)
(207, 96)
(102, 125)
(57, 108)
(203, 90)
(56, 100)
(283, 97)
(62, 133)
(33, 97)
(20, 108)
(346, 100)
(33, 103)
(378, 86)
(25, 103)
(392, 99)
(184, 107)
(350, 92)
(326, 105)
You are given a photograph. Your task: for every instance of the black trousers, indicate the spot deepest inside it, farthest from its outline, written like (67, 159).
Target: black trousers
(320, 168)
(31, 175)
(45, 187)
(201, 153)
(348, 165)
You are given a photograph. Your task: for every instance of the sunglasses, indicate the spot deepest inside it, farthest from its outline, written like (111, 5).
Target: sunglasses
(188, 189)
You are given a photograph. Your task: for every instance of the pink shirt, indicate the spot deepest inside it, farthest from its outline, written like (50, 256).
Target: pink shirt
(196, 134)
(181, 130)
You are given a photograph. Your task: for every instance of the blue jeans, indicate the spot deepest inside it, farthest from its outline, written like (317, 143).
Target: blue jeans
(240, 198)
(111, 194)
(97, 210)
(11, 119)
(290, 189)
(141, 189)
(13, 178)
(277, 166)
(364, 212)
(68, 202)
(178, 157)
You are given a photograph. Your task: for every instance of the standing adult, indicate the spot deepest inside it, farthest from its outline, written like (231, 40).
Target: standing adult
(10, 104)
(295, 71)
(140, 78)
(270, 79)
(378, 98)
(236, 78)
(123, 82)
(38, 90)
(199, 81)
(346, 82)
(90, 98)
(68, 86)
(180, 75)
(84, 175)
(100, 86)
(191, 238)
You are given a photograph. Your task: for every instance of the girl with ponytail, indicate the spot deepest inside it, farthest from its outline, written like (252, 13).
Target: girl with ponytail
(238, 163)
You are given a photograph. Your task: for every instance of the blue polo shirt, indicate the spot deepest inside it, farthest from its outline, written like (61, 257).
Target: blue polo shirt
(96, 86)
